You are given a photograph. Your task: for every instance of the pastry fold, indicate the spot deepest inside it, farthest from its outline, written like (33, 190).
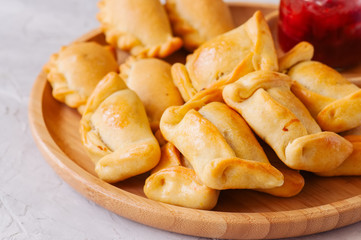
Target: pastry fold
(210, 141)
(141, 27)
(303, 51)
(293, 180)
(152, 81)
(76, 69)
(170, 182)
(332, 100)
(293, 183)
(116, 133)
(226, 57)
(265, 101)
(352, 165)
(198, 21)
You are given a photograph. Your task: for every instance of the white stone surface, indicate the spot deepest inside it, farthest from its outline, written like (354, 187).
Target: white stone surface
(34, 202)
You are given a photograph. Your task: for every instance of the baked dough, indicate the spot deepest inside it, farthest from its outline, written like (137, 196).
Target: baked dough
(209, 149)
(332, 100)
(303, 51)
(198, 21)
(170, 182)
(242, 140)
(138, 26)
(116, 133)
(75, 70)
(226, 57)
(293, 180)
(265, 101)
(352, 165)
(151, 79)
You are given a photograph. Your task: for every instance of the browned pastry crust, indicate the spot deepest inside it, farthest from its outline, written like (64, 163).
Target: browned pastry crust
(151, 79)
(303, 51)
(352, 165)
(293, 180)
(170, 182)
(198, 21)
(75, 70)
(116, 133)
(332, 100)
(138, 26)
(207, 145)
(265, 101)
(226, 57)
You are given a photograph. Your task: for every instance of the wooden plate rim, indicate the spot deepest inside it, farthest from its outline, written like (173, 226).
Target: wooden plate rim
(179, 219)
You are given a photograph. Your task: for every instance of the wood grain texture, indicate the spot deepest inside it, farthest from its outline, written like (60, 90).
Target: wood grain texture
(324, 203)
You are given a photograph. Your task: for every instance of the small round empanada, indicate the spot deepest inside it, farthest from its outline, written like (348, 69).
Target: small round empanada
(141, 27)
(198, 21)
(75, 70)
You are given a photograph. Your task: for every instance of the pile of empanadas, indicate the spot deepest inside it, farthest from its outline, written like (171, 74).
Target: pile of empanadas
(234, 116)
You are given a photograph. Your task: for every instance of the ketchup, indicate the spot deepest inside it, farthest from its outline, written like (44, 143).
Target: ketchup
(333, 27)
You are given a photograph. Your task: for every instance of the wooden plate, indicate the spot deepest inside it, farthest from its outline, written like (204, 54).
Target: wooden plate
(324, 204)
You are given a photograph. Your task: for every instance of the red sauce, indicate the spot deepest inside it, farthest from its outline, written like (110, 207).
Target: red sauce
(332, 26)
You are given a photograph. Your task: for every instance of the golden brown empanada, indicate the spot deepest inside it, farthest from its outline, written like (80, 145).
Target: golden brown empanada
(265, 101)
(209, 149)
(138, 26)
(332, 100)
(198, 21)
(227, 57)
(170, 182)
(352, 165)
(151, 79)
(75, 70)
(116, 133)
(242, 140)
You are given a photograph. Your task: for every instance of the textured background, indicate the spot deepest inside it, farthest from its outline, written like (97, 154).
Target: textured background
(34, 202)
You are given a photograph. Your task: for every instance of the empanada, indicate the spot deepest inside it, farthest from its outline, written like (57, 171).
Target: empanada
(198, 21)
(75, 70)
(170, 182)
(116, 133)
(242, 140)
(141, 27)
(332, 100)
(151, 79)
(228, 56)
(352, 165)
(209, 149)
(265, 101)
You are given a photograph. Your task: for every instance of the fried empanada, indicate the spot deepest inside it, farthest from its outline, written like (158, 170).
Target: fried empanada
(75, 70)
(332, 100)
(170, 182)
(116, 133)
(151, 79)
(265, 101)
(198, 21)
(209, 149)
(141, 27)
(228, 56)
